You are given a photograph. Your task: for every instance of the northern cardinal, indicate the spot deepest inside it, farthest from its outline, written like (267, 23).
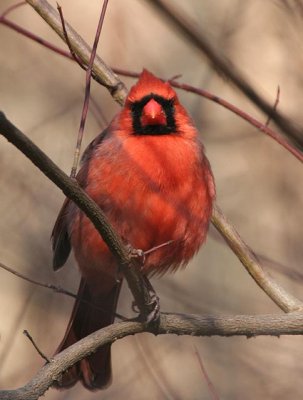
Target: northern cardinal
(148, 173)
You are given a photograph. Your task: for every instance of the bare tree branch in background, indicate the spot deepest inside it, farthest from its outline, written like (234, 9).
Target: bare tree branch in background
(225, 66)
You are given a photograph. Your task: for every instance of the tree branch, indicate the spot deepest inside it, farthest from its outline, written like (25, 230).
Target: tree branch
(179, 324)
(225, 66)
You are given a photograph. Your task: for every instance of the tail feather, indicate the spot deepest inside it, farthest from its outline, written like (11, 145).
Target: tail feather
(90, 313)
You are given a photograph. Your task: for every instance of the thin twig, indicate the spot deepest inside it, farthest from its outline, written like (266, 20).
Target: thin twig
(275, 106)
(73, 54)
(50, 286)
(55, 288)
(35, 38)
(211, 387)
(87, 90)
(12, 8)
(158, 247)
(26, 333)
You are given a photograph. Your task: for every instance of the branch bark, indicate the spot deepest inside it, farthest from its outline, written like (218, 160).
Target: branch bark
(179, 324)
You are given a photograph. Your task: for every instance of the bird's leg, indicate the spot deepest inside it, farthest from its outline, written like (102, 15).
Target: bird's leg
(152, 303)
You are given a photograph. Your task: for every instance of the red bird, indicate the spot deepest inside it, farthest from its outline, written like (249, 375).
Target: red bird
(148, 173)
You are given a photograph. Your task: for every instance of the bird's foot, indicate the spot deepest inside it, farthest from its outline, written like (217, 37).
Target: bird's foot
(151, 313)
(137, 255)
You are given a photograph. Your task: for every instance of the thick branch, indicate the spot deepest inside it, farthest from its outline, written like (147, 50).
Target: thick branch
(179, 324)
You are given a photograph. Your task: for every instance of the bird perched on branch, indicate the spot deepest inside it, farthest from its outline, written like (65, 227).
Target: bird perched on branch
(148, 173)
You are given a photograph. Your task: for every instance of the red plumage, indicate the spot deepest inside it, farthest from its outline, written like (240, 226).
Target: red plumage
(147, 171)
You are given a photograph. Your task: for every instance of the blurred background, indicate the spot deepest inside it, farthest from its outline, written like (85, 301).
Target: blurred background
(259, 187)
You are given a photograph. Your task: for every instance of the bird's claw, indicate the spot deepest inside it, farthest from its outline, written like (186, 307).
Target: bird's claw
(154, 307)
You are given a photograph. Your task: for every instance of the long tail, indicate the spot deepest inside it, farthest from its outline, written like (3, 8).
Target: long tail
(89, 314)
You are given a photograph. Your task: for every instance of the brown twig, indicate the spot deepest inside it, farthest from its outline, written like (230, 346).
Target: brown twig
(194, 325)
(12, 8)
(87, 90)
(26, 333)
(262, 127)
(53, 287)
(72, 53)
(89, 70)
(50, 286)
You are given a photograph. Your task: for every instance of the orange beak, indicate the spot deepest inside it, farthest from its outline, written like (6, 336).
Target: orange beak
(153, 114)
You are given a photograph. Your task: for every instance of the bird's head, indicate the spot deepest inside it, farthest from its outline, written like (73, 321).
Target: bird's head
(151, 105)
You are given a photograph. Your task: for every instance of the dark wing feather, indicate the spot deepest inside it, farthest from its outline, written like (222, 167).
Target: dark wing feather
(60, 238)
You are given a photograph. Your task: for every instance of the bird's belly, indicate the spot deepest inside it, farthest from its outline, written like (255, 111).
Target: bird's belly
(146, 219)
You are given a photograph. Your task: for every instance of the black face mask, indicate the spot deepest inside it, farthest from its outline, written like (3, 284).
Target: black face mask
(161, 129)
